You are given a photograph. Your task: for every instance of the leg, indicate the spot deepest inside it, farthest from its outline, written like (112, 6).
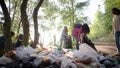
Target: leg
(1, 52)
(65, 43)
(93, 46)
(77, 44)
(117, 36)
(60, 43)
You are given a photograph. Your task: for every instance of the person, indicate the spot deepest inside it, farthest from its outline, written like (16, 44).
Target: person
(19, 41)
(76, 32)
(63, 36)
(2, 42)
(68, 42)
(84, 38)
(2, 39)
(116, 28)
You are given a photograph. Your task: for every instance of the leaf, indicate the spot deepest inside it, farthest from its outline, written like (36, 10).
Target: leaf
(82, 4)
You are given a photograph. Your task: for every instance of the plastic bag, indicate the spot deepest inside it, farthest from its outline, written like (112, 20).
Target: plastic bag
(37, 61)
(85, 49)
(24, 51)
(67, 63)
(5, 60)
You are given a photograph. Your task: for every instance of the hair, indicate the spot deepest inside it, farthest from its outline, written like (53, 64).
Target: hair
(85, 28)
(65, 28)
(77, 25)
(20, 36)
(115, 11)
(12, 33)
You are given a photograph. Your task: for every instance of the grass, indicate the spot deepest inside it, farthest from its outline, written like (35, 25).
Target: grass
(105, 38)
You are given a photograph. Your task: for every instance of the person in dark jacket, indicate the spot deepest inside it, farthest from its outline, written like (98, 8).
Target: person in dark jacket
(19, 41)
(85, 39)
(2, 42)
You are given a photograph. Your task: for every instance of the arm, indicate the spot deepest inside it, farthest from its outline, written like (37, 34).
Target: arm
(85, 39)
(64, 34)
(113, 25)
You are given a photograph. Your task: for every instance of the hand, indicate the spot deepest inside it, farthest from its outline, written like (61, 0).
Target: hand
(112, 32)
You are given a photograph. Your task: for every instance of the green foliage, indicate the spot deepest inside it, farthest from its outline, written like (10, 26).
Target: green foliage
(82, 4)
(99, 26)
(106, 38)
(102, 23)
(50, 11)
(56, 15)
(72, 12)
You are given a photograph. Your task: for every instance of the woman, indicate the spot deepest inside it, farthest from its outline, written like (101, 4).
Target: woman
(63, 35)
(84, 37)
(76, 32)
(116, 28)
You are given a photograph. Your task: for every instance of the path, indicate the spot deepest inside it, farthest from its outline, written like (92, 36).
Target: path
(106, 47)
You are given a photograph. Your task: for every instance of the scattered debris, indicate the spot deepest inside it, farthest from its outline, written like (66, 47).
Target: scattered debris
(50, 57)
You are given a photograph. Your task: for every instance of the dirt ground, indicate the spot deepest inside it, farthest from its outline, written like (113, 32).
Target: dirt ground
(106, 47)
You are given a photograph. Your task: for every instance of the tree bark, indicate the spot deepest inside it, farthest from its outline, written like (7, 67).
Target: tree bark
(6, 27)
(25, 22)
(18, 29)
(35, 13)
(14, 12)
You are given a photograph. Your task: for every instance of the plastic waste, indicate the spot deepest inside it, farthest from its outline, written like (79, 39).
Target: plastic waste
(37, 61)
(5, 60)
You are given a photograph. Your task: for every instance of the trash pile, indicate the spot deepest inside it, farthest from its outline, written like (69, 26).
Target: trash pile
(50, 57)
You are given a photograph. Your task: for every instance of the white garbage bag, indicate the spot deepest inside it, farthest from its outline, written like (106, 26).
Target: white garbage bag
(51, 57)
(67, 63)
(5, 60)
(37, 61)
(24, 51)
(86, 51)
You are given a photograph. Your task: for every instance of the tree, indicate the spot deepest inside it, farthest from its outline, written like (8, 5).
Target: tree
(102, 23)
(51, 14)
(66, 11)
(35, 13)
(98, 25)
(72, 12)
(6, 26)
(25, 22)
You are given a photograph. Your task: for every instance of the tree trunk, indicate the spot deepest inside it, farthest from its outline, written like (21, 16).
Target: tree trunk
(18, 29)
(25, 22)
(35, 13)
(14, 13)
(6, 27)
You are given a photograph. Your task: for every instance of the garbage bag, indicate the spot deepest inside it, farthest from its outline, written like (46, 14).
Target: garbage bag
(85, 49)
(67, 63)
(37, 61)
(24, 51)
(5, 60)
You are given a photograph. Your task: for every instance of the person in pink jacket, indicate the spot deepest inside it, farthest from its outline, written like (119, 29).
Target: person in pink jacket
(76, 32)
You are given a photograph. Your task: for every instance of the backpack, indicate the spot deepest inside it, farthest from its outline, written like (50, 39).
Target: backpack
(68, 42)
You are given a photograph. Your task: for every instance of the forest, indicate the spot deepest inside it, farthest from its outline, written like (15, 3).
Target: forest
(37, 18)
